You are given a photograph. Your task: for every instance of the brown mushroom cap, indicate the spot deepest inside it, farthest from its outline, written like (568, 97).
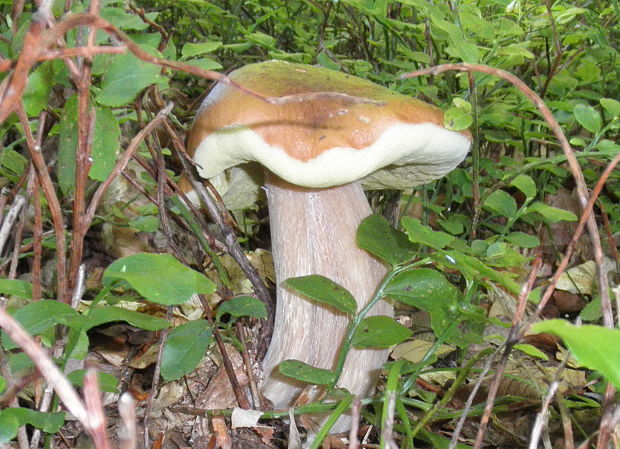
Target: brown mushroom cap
(387, 139)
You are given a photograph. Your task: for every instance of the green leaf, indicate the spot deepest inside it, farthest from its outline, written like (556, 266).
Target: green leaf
(148, 223)
(15, 287)
(205, 64)
(262, 39)
(185, 347)
(242, 306)
(424, 235)
(125, 77)
(532, 351)
(376, 236)
(611, 106)
(552, 214)
(111, 314)
(160, 278)
(588, 117)
(8, 425)
(191, 49)
(457, 119)
(473, 268)
(429, 290)
(47, 422)
(523, 240)
(525, 184)
(106, 142)
(422, 287)
(67, 145)
(125, 21)
(13, 161)
(302, 371)
(38, 317)
(324, 290)
(466, 51)
(594, 347)
(379, 332)
(106, 382)
(501, 203)
(37, 90)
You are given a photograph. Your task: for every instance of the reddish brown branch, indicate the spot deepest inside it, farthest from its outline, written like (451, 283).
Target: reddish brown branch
(52, 200)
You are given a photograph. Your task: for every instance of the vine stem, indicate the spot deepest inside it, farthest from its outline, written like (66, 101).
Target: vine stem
(354, 324)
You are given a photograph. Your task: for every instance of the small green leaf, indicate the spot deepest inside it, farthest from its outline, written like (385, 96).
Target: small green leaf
(47, 422)
(429, 290)
(8, 425)
(160, 278)
(422, 287)
(13, 161)
(526, 185)
(185, 347)
(424, 235)
(379, 332)
(147, 223)
(302, 371)
(588, 117)
(111, 314)
(523, 240)
(205, 64)
(242, 306)
(191, 49)
(38, 317)
(324, 290)
(501, 203)
(125, 77)
(594, 347)
(611, 106)
(376, 236)
(552, 214)
(457, 119)
(39, 85)
(532, 351)
(106, 382)
(106, 142)
(67, 145)
(124, 20)
(15, 287)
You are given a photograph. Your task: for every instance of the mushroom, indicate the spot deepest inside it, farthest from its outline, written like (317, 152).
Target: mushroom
(317, 153)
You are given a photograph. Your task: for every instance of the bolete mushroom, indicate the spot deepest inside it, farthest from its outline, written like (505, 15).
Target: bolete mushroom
(317, 155)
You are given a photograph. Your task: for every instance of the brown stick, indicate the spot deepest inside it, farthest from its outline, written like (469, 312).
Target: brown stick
(52, 200)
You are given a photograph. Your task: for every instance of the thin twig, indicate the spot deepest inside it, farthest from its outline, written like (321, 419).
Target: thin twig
(356, 406)
(94, 406)
(53, 203)
(9, 220)
(127, 432)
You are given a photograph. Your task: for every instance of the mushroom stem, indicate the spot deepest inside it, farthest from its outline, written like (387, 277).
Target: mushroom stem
(313, 232)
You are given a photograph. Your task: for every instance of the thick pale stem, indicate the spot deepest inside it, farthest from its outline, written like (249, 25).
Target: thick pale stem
(313, 232)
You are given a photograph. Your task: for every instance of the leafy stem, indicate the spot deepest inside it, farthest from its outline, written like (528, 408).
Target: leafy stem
(354, 324)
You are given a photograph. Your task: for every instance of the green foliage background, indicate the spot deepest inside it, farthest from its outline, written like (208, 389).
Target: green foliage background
(477, 226)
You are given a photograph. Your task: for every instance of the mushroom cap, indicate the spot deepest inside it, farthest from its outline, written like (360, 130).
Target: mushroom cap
(367, 132)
